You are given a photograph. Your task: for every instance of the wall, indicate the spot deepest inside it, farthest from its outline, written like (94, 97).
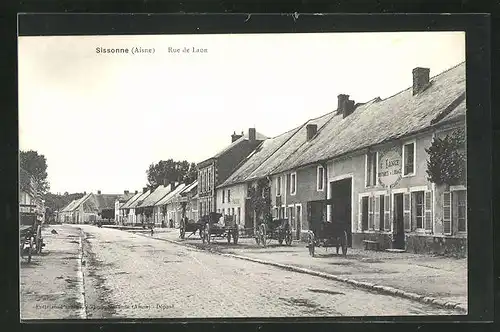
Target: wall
(238, 199)
(227, 163)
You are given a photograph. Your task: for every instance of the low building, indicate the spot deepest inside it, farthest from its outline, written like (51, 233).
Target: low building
(93, 207)
(122, 199)
(134, 217)
(168, 209)
(147, 207)
(125, 209)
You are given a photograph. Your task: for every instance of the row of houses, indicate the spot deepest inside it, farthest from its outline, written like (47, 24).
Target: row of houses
(364, 164)
(31, 204)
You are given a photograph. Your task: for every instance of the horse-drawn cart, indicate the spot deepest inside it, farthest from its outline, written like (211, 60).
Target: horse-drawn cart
(212, 228)
(190, 226)
(274, 229)
(327, 235)
(30, 237)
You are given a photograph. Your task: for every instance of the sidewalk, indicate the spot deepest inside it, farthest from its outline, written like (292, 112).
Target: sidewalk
(52, 284)
(438, 277)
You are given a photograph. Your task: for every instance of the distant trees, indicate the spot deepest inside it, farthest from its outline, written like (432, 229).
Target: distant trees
(167, 171)
(36, 165)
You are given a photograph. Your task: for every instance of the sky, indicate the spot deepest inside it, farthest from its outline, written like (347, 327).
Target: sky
(101, 119)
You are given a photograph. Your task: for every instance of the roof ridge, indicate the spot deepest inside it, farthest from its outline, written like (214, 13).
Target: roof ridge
(430, 80)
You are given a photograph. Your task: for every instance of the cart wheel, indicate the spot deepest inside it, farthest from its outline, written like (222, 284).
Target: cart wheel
(229, 237)
(30, 250)
(311, 244)
(236, 235)
(257, 236)
(344, 244)
(288, 238)
(280, 239)
(202, 236)
(183, 232)
(263, 235)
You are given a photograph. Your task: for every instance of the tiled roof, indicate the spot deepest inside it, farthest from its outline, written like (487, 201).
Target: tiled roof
(123, 198)
(139, 200)
(171, 195)
(99, 202)
(257, 158)
(380, 121)
(276, 162)
(155, 196)
(76, 203)
(190, 187)
(131, 200)
(69, 207)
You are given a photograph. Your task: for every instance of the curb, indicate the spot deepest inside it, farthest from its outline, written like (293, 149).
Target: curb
(366, 285)
(80, 277)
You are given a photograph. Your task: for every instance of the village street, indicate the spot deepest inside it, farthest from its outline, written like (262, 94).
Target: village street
(117, 274)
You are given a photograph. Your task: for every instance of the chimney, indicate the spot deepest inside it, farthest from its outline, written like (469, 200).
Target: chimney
(126, 192)
(345, 106)
(312, 129)
(420, 79)
(98, 192)
(144, 189)
(136, 191)
(251, 134)
(172, 185)
(341, 103)
(235, 136)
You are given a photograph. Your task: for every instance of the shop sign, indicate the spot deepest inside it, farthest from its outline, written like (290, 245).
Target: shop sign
(389, 167)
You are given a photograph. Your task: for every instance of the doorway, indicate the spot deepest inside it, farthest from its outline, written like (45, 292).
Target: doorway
(341, 204)
(398, 241)
(298, 220)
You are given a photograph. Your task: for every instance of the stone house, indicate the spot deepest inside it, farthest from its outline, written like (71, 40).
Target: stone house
(125, 209)
(215, 170)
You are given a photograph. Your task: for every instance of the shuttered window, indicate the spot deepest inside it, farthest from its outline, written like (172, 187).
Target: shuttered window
(370, 213)
(407, 211)
(387, 212)
(377, 213)
(461, 197)
(447, 213)
(418, 210)
(428, 210)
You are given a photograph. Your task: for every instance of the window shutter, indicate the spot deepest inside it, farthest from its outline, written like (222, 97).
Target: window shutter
(377, 212)
(428, 210)
(407, 211)
(447, 213)
(370, 212)
(360, 214)
(387, 212)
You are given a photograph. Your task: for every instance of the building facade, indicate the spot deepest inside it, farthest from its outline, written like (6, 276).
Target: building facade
(214, 171)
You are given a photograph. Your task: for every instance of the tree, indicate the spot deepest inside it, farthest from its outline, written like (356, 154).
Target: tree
(260, 199)
(446, 163)
(36, 165)
(167, 171)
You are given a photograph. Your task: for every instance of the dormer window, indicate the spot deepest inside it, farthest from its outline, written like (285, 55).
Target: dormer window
(371, 168)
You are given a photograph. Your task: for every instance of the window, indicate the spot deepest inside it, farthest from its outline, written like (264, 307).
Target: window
(320, 178)
(232, 211)
(379, 212)
(228, 195)
(239, 215)
(409, 159)
(223, 195)
(371, 169)
(293, 183)
(418, 209)
(278, 186)
(387, 212)
(460, 209)
(447, 213)
(363, 212)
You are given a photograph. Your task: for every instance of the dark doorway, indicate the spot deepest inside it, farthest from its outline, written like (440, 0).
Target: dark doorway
(249, 223)
(364, 213)
(398, 241)
(341, 204)
(315, 214)
(298, 220)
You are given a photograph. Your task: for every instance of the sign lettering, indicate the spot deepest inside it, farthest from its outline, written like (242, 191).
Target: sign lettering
(389, 168)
